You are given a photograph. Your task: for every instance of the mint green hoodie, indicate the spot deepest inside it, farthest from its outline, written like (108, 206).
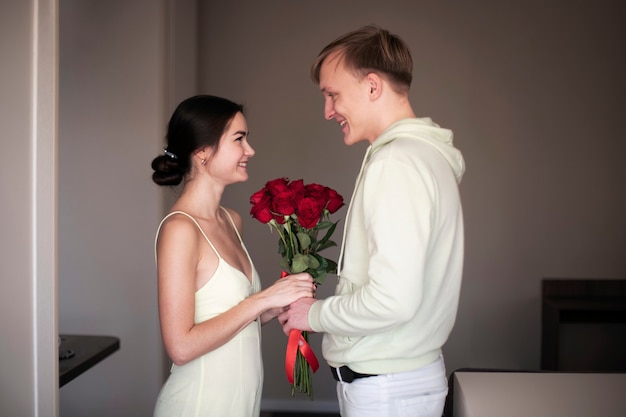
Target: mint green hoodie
(401, 255)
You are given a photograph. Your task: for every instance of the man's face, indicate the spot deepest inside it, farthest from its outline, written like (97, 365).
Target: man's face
(346, 100)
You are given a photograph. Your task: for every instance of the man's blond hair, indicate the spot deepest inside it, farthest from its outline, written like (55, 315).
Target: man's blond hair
(371, 49)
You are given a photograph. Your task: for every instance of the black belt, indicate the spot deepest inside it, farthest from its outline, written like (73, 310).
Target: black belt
(346, 374)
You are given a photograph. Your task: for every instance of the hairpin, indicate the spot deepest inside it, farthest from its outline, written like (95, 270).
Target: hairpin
(170, 154)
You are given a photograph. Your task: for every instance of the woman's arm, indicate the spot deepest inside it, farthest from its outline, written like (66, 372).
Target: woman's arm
(178, 252)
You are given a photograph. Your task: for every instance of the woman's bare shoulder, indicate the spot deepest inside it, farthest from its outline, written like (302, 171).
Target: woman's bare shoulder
(178, 226)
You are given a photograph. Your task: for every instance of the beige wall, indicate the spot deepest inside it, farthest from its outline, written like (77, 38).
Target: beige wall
(534, 93)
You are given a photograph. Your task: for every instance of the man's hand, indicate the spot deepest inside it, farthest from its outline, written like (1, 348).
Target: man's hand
(296, 316)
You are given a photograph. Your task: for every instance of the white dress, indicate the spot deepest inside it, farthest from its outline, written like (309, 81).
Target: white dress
(226, 382)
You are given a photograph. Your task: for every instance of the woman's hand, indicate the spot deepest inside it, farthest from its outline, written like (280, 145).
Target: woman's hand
(285, 291)
(289, 289)
(272, 313)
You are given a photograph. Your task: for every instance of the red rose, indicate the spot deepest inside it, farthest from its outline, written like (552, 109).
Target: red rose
(283, 204)
(316, 192)
(309, 212)
(335, 200)
(259, 196)
(277, 186)
(261, 206)
(297, 188)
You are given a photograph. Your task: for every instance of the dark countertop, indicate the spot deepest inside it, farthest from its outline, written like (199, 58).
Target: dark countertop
(78, 353)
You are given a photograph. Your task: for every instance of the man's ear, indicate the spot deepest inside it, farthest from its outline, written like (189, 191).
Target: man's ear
(375, 84)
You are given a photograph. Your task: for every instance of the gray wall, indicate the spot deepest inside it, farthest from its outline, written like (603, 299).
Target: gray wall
(112, 103)
(534, 92)
(124, 66)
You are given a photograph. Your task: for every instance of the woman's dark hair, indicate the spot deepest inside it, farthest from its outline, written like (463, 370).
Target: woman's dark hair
(197, 122)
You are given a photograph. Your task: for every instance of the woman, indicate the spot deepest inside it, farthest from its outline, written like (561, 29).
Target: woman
(211, 305)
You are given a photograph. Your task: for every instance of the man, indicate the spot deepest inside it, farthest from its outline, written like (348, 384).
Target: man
(401, 256)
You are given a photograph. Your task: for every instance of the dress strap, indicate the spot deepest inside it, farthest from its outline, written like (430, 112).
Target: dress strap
(197, 224)
(232, 222)
(238, 235)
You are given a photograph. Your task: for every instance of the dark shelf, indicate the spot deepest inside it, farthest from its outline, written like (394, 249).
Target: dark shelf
(82, 353)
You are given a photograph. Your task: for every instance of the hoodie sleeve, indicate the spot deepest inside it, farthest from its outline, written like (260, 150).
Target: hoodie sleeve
(398, 204)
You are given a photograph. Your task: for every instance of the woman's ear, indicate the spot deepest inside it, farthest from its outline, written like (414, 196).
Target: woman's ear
(202, 154)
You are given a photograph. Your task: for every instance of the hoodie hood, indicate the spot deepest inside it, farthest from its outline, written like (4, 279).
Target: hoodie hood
(424, 129)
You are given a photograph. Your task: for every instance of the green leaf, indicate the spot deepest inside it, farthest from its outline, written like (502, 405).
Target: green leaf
(299, 263)
(315, 274)
(320, 278)
(313, 262)
(323, 225)
(304, 239)
(318, 272)
(328, 234)
(325, 245)
(332, 266)
(284, 263)
(282, 250)
(321, 262)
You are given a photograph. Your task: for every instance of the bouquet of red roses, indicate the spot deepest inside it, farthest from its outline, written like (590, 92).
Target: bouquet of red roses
(299, 213)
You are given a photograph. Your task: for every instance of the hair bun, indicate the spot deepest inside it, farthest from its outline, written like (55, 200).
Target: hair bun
(167, 170)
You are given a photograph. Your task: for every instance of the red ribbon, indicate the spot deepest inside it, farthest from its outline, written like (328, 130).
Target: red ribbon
(297, 341)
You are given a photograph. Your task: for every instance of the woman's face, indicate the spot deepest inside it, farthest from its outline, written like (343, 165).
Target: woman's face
(230, 162)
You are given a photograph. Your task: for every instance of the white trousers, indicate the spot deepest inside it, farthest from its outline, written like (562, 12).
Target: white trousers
(418, 393)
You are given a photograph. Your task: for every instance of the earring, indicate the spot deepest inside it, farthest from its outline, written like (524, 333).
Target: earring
(203, 162)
